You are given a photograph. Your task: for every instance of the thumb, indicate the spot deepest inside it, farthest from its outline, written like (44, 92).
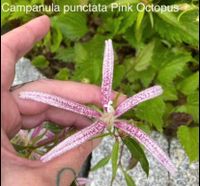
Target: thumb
(65, 168)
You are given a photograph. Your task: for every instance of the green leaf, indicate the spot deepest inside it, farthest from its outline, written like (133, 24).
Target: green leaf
(192, 105)
(189, 138)
(144, 56)
(127, 21)
(130, 37)
(138, 31)
(171, 69)
(56, 38)
(53, 127)
(4, 14)
(65, 54)
(101, 163)
(170, 92)
(146, 128)
(72, 25)
(190, 84)
(40, 62)
(152, 111)
(62, 74)
(81, 53)
(89, 62)
(17, 15)
(186, 29)
(146, 76)
(112, 25)
(118, 23)
(129, 179)
(151, 19)
(138, 153)
(18, 148)
(114, 159)
(119, 72)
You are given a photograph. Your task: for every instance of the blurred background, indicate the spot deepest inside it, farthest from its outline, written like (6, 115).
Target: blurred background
(150, 48)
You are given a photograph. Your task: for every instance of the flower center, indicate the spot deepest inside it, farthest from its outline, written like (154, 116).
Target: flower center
(109, 107)
(108, 117)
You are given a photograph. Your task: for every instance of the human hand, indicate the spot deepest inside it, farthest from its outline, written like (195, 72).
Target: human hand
(19, 114)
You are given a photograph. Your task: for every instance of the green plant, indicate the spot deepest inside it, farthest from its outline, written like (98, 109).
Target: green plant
(151, 48)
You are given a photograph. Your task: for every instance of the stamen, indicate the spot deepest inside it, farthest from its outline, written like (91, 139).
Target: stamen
(109, 107)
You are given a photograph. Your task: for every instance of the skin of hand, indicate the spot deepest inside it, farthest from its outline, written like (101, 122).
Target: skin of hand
(19, 114)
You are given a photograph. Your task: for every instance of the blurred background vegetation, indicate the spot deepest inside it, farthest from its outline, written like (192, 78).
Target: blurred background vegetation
(150, 48)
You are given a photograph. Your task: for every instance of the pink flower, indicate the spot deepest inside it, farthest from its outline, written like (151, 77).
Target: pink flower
(82, 181)
(39, 132)
(106, 119)
(34, 137)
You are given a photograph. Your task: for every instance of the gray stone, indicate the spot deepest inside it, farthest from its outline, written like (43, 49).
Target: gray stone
(187, 174)
(25, 72)
(157, 174)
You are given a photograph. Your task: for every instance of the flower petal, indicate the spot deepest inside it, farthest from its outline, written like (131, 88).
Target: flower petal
(107, 74)
(82, 181)
(60, 103)
(75, 140)
(140, 97)
(49, 135)
(36, 131)
(149, 144)
(23, 134)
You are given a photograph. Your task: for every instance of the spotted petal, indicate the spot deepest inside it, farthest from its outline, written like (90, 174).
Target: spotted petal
(36, 131)
(108, 63)
(140, 97)
(60, 103)
(75, 140)
(149, 144)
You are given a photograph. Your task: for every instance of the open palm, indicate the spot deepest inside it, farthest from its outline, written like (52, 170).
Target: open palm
(19, 114)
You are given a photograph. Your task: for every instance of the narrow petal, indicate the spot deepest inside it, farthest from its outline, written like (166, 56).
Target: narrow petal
(140, 97)
(149, 144)
(36, 131)
(74, 140)
(82, 181)
(107, 74)
(49, 135)
(60, 103)
(23, 134)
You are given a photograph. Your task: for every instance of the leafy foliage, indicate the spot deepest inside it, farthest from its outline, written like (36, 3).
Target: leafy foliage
(129, 179)
(154, 116)
(138, 153)
(75, 27)
(114, 159)
(151, 48)
(101, 163)
(191, 142)
(40, 62)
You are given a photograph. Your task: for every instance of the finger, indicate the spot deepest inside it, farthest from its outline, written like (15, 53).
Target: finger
(73, 159)
(18, 42)
(78, 92)
(55, 115)
(81, 93)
